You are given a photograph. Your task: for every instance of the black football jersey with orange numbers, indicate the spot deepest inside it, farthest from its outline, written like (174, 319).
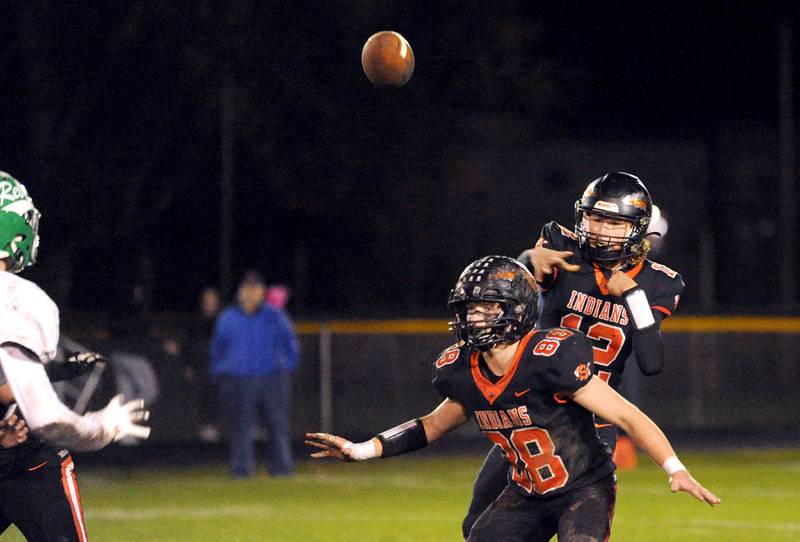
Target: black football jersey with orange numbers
(581, 300)
(551, 443)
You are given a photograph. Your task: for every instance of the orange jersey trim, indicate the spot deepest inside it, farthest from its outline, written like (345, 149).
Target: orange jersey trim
(553, 279)
(70, 485)
(633, 271)
(492, 391)
(661, 309)
(600, 279)
(37, 467)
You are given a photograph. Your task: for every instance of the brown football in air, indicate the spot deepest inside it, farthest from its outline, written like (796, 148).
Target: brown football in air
(387, 59)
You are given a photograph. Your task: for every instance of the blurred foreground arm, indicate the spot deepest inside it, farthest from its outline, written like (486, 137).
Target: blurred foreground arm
(51, 420)
(543, 261)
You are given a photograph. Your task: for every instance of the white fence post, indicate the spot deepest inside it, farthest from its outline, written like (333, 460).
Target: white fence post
(325, 379)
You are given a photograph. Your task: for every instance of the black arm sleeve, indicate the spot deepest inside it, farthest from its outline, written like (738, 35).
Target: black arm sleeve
(404, 438)
(525, 259)
(73, 366)
(648, 346)
(57, 372)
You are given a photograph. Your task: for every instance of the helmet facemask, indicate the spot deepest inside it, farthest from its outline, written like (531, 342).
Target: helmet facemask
(609, 250)
(617, 196)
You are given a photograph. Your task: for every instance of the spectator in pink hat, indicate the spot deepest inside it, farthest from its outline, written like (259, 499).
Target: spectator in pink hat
(277, 295)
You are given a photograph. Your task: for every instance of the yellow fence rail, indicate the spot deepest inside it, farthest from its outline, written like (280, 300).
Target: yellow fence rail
(677, 324)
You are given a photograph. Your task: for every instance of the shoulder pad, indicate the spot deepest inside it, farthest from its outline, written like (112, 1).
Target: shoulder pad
(664, 269)
(445, 371)
(549, 341)
(668, 281)
(571, 365)
(665, 290)
(448, 356)
(28, 317)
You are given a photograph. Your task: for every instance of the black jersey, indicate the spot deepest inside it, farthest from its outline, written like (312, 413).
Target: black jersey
(550, 442)
(581, 300)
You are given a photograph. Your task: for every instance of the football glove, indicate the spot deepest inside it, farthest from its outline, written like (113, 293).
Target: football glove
(120, 420)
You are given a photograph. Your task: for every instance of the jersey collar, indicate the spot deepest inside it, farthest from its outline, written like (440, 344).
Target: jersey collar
(491, 391)
(602, 281)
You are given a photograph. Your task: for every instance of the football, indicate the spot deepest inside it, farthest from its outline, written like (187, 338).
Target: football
(387, 59)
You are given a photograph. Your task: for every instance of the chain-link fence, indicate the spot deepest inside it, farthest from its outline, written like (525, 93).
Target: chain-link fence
(734, 375)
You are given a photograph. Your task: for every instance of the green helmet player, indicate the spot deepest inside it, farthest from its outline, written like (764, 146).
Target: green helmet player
(19, 224)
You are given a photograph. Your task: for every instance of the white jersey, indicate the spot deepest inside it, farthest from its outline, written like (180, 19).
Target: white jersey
(28, 316)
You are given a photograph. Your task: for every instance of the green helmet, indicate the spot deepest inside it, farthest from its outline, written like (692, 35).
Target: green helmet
(19, 224)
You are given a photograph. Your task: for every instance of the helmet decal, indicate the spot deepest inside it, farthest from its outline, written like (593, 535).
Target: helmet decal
(635, 200)
(19, 207)
(10, 189)
(606, 206)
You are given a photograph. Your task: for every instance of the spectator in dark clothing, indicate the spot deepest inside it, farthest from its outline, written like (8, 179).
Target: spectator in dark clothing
(253, 353)
(197, 369)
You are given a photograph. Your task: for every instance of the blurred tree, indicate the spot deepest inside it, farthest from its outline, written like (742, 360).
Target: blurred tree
(330, 174)
(103, 135)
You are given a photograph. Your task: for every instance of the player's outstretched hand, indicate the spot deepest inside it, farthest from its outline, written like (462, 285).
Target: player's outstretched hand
(545, 259)
(330, 446)
(121, 420)
(683, 481)
(14, 431)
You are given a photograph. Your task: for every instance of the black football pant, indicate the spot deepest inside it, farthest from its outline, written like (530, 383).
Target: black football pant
(493, 478)
(579, 515)
(42, 499)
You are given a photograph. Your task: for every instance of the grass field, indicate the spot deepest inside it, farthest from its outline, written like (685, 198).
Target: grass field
(423, 499)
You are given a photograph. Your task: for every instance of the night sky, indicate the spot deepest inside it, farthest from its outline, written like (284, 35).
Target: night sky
(367, 202)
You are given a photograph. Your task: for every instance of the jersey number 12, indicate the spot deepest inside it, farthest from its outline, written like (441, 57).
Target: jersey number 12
(613, 335)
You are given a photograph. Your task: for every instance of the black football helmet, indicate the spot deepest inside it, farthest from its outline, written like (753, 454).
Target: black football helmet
(614, 195)
(493, 279)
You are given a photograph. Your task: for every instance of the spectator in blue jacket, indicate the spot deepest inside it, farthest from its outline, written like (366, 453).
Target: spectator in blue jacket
(253, 353)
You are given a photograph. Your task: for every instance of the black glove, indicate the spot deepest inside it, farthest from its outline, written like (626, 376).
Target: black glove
(76, 364)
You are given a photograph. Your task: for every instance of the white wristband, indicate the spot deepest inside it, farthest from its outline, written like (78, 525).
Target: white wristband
(639, 308)
(362, 450)
(672, 465)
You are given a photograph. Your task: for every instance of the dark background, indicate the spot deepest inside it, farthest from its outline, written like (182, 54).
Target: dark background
(369, 202)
